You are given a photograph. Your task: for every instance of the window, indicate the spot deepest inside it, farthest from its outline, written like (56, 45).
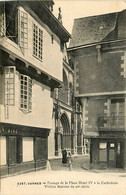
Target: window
(3, 159)
(9, 85)
(27, 149)
(25, 93)
(117, 112)
(37, 42)
(2, 19)
(23, 29)
(112, 145)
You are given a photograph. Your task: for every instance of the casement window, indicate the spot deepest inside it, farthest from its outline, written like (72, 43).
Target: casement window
(37, 42)
(9, 85)
(25, 93)
(2, 19)
(23, 29)
(117, 112)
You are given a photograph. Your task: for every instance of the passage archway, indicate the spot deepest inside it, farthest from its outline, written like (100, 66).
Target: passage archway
(65, 132)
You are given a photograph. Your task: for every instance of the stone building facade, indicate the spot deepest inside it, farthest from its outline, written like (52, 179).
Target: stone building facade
(97, 49)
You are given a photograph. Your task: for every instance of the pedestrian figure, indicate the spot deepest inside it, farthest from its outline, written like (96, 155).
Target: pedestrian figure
(69, 159)
(64, 156)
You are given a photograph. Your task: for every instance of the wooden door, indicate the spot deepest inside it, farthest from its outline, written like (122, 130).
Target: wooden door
(111, 155)
(12, 150)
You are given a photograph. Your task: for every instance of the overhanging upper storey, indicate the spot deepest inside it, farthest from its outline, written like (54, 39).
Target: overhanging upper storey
(46, 16)
(31, 33)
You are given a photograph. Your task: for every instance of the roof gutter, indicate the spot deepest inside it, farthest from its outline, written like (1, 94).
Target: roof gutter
(94, 44)
(56, 20)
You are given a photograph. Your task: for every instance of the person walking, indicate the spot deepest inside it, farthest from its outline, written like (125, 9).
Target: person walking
(69, 158)
(64, 156)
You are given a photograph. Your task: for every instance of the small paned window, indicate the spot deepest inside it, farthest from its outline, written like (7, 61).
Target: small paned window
(2, 19)
(23, 29)
(37, 42)
(25, 93)
(9, 85)
(112, 145)
(102, 145)
(118, 112)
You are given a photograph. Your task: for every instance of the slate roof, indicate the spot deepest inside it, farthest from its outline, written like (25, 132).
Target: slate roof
(92, 29)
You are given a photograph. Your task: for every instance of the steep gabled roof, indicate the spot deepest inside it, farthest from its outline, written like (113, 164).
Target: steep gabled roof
(92, 29)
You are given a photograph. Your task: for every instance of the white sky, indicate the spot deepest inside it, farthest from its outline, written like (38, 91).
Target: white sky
(72, 9)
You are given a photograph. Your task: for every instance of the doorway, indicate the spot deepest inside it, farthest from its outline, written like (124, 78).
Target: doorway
(111, 155)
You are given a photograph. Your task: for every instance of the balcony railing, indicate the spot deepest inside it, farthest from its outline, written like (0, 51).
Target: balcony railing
(114, 122)
(63, 95)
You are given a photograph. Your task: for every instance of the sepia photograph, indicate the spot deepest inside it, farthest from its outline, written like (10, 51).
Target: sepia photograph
(63, 97)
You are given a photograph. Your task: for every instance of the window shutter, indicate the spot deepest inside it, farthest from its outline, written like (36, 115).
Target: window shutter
(12, 150)
(2, 19)
(9, 85)
(22, 29)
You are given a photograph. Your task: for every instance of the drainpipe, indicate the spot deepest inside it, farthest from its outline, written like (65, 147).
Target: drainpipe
(98, 47)
(84, 118)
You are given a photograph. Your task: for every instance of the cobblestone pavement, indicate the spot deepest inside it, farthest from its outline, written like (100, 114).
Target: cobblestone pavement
(77, 164)
(60, 181)
(82, 164)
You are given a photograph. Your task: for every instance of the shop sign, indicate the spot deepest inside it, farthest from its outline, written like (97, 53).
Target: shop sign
(8, 130)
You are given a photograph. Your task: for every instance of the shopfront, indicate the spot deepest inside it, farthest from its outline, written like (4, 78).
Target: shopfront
(22, 148)
(108, 153)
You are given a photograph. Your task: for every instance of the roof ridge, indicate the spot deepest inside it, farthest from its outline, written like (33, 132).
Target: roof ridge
(110, 13)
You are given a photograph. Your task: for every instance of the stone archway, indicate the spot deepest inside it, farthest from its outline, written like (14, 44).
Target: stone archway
(65, 132)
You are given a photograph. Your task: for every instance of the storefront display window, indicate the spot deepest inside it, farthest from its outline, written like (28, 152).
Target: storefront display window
(27, 149)
(2, 150)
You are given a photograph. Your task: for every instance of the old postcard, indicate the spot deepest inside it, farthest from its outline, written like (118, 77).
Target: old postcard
(63, 97)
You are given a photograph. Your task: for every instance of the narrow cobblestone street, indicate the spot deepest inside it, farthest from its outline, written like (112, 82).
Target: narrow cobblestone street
(60, 181)
(77, 162)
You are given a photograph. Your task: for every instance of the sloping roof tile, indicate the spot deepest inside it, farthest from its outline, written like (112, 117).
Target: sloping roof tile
(92, 29)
